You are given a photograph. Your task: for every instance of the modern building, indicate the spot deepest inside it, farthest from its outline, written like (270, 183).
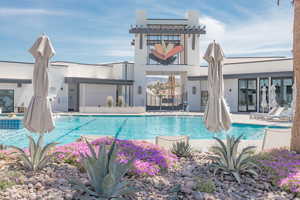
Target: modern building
(163, 47)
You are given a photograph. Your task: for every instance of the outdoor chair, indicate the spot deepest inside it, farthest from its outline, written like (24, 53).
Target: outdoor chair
(276, 138)
(168, 141)
(281, 114)
(263, 115)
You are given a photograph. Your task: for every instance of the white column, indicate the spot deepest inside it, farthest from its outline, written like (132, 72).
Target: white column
(269, 91)
(258, 95)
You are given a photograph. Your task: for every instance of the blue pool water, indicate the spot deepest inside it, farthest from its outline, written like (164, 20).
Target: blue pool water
(69, 128)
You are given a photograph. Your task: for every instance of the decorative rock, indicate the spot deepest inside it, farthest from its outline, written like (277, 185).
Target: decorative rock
(61, 181)
(38, 185)
(197, 195)
(208, 196)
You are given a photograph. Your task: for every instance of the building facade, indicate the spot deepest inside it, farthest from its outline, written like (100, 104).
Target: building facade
(162, 47)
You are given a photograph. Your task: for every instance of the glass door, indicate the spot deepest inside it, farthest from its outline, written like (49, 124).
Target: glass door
(284, 90)
(247, 95)
(7, 101)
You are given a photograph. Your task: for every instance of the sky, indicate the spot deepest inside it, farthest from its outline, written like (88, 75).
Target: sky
(97, 31)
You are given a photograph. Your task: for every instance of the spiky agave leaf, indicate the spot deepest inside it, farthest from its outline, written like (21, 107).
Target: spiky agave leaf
(107, 183)
(181, 149)
(23, 156)
(38, 154)
(228, 160)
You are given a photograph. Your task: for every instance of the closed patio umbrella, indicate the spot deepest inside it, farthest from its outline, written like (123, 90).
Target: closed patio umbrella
(38, 117)
(273, 101)
(264, 103)
(216, 116)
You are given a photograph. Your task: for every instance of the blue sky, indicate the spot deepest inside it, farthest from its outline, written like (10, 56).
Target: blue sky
(96, 31)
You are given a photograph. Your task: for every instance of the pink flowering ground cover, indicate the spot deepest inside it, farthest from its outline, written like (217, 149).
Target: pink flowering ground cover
(285, 167)
(149, 158)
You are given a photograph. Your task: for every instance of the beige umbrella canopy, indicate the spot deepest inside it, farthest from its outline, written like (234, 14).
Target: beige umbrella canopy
(38, 117)
(216, 116)
(264, 103)
(273, 102)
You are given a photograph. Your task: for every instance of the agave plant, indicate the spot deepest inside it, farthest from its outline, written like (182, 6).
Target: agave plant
(181, 149)
(109, 101)
(39, 155)
(229, 161)
(105, 173)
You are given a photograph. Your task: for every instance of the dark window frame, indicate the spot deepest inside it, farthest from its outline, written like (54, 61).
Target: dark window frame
(238, 104)
(282, 78)
(13, 103)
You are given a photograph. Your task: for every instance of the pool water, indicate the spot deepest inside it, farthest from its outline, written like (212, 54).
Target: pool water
(70, 128)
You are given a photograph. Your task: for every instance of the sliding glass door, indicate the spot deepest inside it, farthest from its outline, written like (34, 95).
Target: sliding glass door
(247, 95)
(284, 90)
(7, 101)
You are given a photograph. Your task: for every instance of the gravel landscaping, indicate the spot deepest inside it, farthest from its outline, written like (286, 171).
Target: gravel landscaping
(188, 178)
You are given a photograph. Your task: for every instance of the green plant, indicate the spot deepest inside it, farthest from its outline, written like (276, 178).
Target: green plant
(120, 101)
(6, 184)
(181, 149)
(105, 173)
(39, 155)
(109, 101)
(205, 185)
(229, 161)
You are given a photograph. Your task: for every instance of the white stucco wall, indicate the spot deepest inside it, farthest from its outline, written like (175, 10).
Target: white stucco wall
(96, 95)
(87, 70)
(16, 70)
(140, 59)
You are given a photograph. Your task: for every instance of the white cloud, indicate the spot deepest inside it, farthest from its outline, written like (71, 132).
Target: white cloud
(24, 11)
(269, 33)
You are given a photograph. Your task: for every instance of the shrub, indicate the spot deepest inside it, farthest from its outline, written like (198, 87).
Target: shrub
(39, 155)
(181, 149)
(105, 173)
(150, 159)
(9, 178)
(110, 101)
(229, 161)
(120, 101)
(6, 184)
(284, 168)
(205, 185)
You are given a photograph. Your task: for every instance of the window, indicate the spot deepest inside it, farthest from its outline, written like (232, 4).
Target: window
(7, 100)
(247, 95)
(284, 90)
(194, 90)
(204, 97)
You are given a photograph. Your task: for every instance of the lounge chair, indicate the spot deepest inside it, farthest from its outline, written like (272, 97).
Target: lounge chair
(285, 115)
(276, 138)
(278, 114)
(263, 115)
(168, 141)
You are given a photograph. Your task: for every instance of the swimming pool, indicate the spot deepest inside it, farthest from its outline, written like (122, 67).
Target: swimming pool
(70, 128)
